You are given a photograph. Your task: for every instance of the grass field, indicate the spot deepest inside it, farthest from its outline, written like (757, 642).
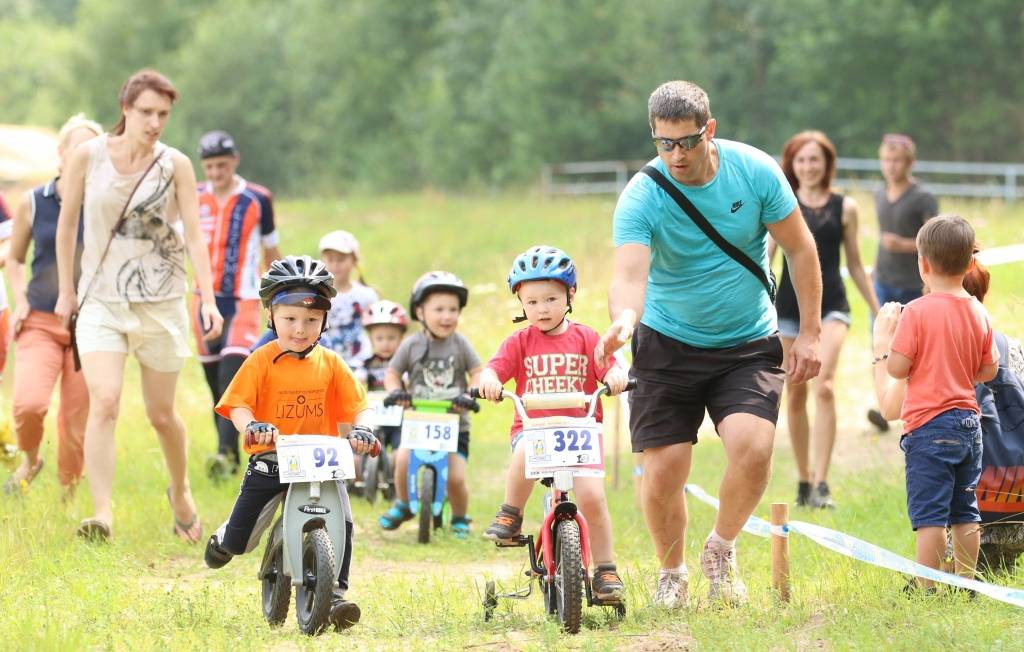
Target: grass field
(147, 590)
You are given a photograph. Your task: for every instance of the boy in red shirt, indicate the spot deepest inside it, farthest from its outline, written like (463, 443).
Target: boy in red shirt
(552, 355)
(943, 345)
(290, 386)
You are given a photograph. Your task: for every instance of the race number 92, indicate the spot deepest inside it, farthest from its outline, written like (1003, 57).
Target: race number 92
(322, 456)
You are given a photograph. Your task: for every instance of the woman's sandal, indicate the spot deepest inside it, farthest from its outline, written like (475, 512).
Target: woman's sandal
(95, 530)
(19, 486)
(182, 530)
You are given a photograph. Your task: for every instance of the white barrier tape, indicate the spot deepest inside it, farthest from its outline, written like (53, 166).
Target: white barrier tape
(780, 531)
(988, 257)
(754, 525)
(860, 550)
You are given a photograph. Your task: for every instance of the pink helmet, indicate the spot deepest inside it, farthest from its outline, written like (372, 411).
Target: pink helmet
(385, 312)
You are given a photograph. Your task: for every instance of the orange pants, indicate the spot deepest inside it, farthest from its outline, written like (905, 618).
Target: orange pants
(43, 353)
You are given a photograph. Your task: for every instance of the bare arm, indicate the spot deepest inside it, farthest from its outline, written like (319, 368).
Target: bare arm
(270, 254)
(797, 242)
(188, 206)
(898, 365)
(889, 391)
(631, 266)
(392, 380)
(67, 232)
(854, 265)
(21, 235)
(987, 372)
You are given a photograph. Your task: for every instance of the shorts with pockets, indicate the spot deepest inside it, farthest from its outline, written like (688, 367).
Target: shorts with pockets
(154, 332)
(677, 382)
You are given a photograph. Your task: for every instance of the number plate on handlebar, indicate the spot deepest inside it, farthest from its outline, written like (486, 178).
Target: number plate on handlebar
(576, 447)
(432, 432)
(310, 458)
(384, 417)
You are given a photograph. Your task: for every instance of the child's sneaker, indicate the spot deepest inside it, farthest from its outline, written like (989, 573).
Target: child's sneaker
(673, 590)
(344, 614)
(394, 517)
(607, 584)
(719, 566)
(215, 556)
(508, 522)
(460, 526)
(221, 467)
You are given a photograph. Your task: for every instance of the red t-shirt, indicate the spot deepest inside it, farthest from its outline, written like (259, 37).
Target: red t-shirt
(948, 339)
(544, 364)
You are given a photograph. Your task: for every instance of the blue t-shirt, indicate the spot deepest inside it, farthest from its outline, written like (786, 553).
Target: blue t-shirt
(696, 293)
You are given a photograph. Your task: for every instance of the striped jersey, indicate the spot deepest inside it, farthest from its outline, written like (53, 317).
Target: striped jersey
(236, 233)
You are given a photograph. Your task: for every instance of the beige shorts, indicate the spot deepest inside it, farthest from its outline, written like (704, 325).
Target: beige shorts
(156, 333)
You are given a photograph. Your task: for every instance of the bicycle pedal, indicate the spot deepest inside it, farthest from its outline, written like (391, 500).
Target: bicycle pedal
(517, 541)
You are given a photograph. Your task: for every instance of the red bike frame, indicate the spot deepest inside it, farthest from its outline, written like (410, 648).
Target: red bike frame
(547, 540)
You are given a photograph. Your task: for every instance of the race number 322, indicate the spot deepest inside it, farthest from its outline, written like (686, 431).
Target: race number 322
(572, 440)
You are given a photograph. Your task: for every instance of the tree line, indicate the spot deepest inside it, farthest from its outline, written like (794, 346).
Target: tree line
(331, 96)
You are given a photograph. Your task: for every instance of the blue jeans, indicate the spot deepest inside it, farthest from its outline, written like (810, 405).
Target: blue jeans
(943, 459)
(892, 293)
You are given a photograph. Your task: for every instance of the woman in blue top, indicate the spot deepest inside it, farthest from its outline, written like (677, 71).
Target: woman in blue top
(44, 354)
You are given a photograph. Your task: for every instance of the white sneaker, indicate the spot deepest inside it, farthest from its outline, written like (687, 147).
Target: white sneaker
(672, 591)
(719, 566)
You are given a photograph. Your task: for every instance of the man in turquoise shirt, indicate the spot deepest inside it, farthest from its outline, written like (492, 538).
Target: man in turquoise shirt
(705, 326)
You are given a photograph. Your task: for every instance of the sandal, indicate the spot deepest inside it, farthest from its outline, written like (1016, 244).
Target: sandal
(95, 531)
(394, 517)
(460, 526)
(19, 486)
(191, 531)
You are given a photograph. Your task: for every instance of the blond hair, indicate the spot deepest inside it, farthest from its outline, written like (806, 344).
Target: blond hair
(77, 121)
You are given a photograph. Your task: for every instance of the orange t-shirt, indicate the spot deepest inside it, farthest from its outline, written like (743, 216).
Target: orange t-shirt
(300, 397)
(948, 339)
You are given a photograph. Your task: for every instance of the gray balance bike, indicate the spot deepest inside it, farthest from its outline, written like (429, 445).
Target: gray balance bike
(305, 550)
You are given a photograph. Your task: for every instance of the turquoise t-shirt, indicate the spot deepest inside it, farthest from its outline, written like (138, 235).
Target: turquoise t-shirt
(696, 293)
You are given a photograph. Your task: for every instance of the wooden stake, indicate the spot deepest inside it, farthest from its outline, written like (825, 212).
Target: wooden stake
(780, 550)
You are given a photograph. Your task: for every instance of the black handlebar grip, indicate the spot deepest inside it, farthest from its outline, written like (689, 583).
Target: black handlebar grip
(474, 392)
(630, 385)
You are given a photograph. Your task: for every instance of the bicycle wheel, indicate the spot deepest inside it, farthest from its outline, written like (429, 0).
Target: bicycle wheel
(387, 470)
(371, 470)
(426, 496)
(319, 576)
(490, 599)
(277, 589)
(568, 584)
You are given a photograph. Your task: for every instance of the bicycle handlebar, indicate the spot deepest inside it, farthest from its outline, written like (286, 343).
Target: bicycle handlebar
(432, 404)
(555, 400)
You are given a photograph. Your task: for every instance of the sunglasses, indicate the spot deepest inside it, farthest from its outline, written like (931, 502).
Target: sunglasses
(686, 142)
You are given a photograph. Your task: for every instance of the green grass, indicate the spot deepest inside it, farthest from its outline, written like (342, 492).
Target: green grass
(147, 590)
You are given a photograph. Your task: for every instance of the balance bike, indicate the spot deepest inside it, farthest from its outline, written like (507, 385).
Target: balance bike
(307, 542)
(378, 473)
(431, 432)
(559, 449)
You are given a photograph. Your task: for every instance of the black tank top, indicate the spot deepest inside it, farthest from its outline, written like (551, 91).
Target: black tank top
(826, 225)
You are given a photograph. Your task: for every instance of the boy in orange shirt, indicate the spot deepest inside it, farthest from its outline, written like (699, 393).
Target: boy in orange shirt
(290, 386)
(943, 345)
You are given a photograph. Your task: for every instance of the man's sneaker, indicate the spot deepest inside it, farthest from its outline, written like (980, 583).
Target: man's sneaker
(343, 614)
(508, 522)
(803, 494)
(673, 591)
(607, 584)
(719, 566)
(821, 497)
(877, 420)
(216, 556)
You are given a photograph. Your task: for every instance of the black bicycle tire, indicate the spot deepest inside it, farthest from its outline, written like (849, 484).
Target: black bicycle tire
(276, 589)
(568, 582)
(313, 605)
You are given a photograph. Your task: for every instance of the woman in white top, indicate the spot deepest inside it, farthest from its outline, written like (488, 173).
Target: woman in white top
(131, 294)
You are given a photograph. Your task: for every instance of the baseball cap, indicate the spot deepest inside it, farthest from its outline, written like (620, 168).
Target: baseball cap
(216, 143)
(340, 241)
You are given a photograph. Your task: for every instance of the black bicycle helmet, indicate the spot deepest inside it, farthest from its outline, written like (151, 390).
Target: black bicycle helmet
(436, 281)
(296, 272)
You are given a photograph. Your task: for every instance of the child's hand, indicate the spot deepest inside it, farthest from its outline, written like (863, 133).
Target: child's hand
(490, 389)
(398, 397)
(363, 441)
(616, 379)
(258, 433)
(464, 403)
(885, 327)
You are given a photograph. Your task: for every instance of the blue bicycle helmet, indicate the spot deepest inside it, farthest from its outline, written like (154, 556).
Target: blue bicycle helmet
(542, 263)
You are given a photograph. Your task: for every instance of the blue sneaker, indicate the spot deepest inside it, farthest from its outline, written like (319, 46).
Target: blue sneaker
(460, 526)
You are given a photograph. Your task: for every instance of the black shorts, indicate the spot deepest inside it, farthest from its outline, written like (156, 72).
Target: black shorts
(678, 382)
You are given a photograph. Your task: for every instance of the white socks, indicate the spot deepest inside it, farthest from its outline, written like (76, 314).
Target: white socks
(717, 541)
(679, 572)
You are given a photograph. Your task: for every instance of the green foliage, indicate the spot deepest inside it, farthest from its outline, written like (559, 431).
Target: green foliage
(336, 95)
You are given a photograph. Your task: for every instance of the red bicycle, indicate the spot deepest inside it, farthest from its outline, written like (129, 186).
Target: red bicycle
(559, 449)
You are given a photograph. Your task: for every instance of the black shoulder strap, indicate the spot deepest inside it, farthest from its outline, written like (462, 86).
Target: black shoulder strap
(698, 218)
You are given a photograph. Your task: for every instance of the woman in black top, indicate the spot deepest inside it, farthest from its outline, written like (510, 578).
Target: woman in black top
(808, 160)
